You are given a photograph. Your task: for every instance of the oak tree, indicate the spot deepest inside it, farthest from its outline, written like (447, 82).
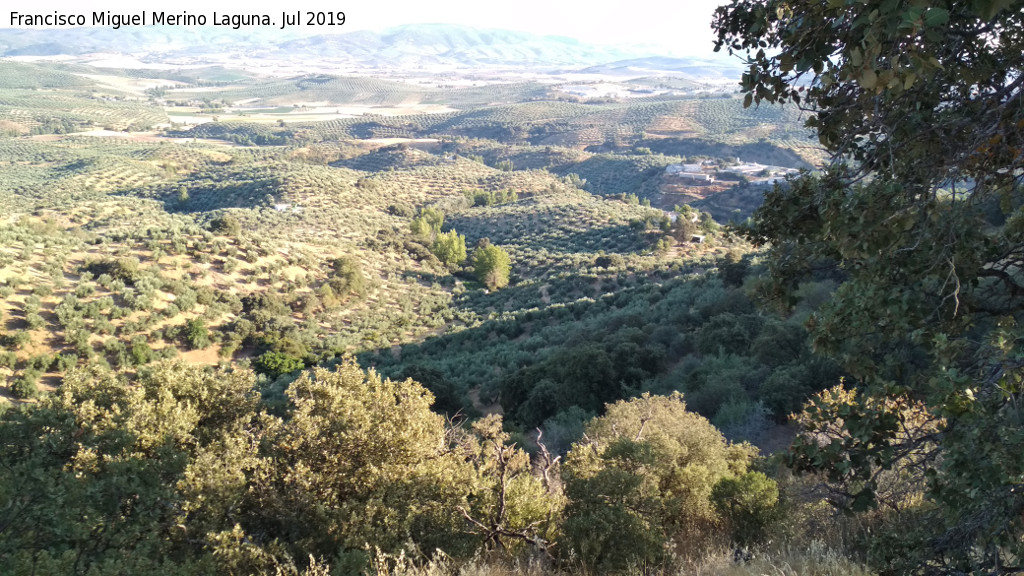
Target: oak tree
(918, 104)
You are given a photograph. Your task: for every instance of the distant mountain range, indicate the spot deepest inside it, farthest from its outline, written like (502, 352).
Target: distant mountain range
(404, 47)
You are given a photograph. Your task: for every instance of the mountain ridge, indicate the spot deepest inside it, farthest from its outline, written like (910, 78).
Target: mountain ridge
(406, 46)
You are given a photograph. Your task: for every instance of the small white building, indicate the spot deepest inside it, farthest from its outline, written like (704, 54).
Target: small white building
(287, 208)
(701, 178)
(676, 169)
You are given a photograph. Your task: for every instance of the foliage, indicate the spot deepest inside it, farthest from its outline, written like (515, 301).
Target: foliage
(226, 224)
(104, 457)
(921, 208)
(273, 363)
(359, 459)
(749, 504)
(450, 248)
(512, 507)
(183, 466)
(26, 385)
(491, 265)
(347, 277)
(428, 223)
(124, 269)
(491, 197)
(196, 334)
(641, 480)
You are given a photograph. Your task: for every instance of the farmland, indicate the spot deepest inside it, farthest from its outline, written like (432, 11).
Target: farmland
(250, 205)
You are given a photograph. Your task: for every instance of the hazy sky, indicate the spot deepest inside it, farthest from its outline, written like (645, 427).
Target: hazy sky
(679, 26)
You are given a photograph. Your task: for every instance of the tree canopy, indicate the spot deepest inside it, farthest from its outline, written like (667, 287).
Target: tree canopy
(183, 471)
(920, 212)
(492, 265)
(642, 479)
(450, 248)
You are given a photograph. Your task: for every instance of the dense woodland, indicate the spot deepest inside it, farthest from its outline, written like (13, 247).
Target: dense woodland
(501, 337)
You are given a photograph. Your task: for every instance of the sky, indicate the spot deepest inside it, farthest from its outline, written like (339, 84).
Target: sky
(679, 27)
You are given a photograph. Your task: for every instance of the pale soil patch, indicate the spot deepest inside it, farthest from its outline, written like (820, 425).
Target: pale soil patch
(673, 125)
(391, 141)
(130, 136)
(189, 119)
(135, 85)
(191, 89)
(210, 355)
(148, 136)
(306, 112)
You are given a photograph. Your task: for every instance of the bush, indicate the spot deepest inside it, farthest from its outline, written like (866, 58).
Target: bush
(274, 364)
(401, 210)
(610, 261)
(450, 248)
(18, 340)
(65, 362)
(197, 336)
(123, 269)
(347, 277)
(492, 266)
(428, 223)
(642, 481)
(26, 386)
(749, 503)
(41, 362)
(226, 224)
(34, 321)
(140, 351)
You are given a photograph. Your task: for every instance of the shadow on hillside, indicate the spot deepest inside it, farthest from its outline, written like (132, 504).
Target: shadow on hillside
(763, 152)
(557, 238)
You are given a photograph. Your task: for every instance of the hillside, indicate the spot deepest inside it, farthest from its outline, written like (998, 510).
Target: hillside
(486, 266)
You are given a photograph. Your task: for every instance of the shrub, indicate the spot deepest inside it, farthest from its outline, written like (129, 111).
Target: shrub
(26, 386)
(140, 351)
(226, 224)
(492, 266)
(274, 364)
(196, 334)
(35, 321)
(401, 210)
(18, 340)
(450, 248)
(749, 503)
(65, 362)
(123, 269)
(610, 261)
(347, 277)
(642, 480)
(41, 362)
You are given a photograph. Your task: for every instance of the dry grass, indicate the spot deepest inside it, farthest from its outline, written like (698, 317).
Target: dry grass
(813, 559)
